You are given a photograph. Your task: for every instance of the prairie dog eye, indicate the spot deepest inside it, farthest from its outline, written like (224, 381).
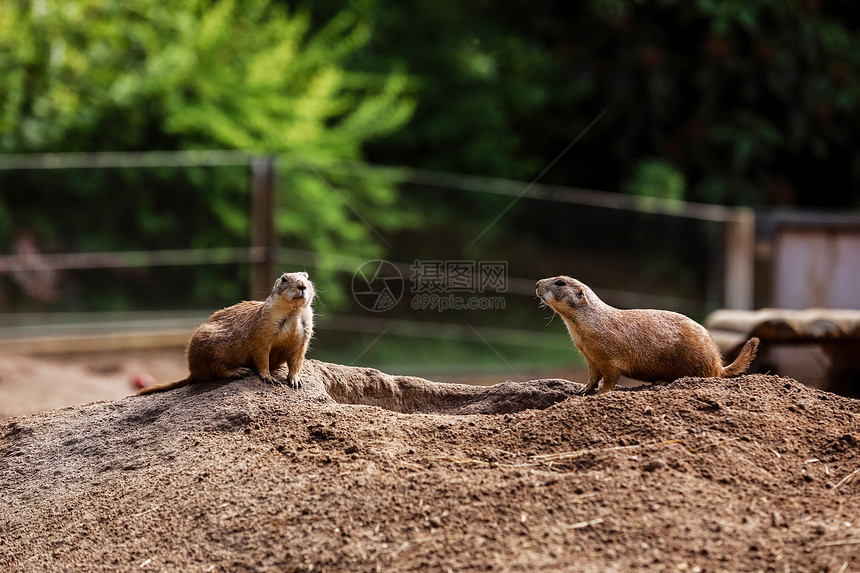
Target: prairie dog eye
(559, 283)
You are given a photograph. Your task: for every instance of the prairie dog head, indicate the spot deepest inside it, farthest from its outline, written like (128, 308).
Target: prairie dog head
(294, 287)
(564, 294)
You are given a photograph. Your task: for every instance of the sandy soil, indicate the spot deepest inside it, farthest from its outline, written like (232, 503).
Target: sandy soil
(757, 473)
(35, 383)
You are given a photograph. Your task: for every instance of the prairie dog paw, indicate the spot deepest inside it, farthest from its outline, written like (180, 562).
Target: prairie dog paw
(270, 379)
(240, 372)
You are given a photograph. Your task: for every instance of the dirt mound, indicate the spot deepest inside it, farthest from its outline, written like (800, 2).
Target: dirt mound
(755, 473)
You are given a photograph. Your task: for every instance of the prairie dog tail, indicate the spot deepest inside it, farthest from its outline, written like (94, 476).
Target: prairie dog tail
(743, 360)
(165, 386)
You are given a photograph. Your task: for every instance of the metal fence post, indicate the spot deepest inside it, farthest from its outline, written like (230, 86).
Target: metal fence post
(264, 240)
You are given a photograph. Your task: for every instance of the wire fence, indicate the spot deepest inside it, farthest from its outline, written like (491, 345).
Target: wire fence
(728, 282)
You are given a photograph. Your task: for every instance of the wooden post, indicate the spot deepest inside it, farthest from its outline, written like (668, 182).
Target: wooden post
(264, 240)
(739, 274)
(715, 266)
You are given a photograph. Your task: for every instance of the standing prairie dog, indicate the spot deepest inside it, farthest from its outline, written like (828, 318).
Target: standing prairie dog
(253, 336)
(644, 344)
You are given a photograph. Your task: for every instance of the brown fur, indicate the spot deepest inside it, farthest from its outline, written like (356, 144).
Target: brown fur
(644, 344)
(253, 336)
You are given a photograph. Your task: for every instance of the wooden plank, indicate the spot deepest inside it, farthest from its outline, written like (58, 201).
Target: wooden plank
(779, 324)
(739, 277)
(816, 267)
(95, 342)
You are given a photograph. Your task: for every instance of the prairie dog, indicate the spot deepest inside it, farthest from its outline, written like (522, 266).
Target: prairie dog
(644, 344)
(253, 337)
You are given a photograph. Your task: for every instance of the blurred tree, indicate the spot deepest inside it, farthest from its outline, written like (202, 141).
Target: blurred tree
(656, 178)
(92, 75)
(194, 74)
(752, 101)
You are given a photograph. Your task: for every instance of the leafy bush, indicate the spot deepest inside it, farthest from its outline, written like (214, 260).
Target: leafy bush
(94, 75)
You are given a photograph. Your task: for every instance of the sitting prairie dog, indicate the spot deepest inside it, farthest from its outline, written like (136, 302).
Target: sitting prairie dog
(253, 336)
(644, 344)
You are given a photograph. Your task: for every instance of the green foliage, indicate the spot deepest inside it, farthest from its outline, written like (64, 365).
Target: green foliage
(731, 101)
(753, 101)
(90, 75)
(656, 178)
(201, 74)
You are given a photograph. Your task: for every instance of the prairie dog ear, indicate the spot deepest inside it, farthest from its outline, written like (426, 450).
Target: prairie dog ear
(580, 294)
(304, 274)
